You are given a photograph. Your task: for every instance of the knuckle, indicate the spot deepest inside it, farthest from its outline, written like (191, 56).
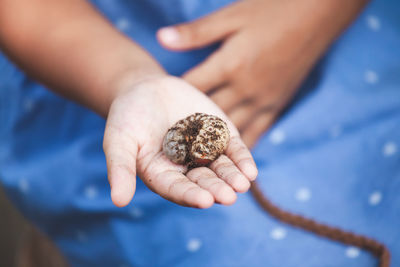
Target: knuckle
(185, 198)
(245, 160)
(246, 187)
(233, 177)
(173, 186)
(240, 149)
(217, 187)
(236, 65)
(220, 166)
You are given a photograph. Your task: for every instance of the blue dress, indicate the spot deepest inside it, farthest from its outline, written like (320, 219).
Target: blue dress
(334, 156)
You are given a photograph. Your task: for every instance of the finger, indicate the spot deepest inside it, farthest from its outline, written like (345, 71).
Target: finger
(242, 113)
(227, 171)
(257, 127)
(121, 152)
(241, 156)
(209, 181)
(246, 112)
(176, 187)
(208, 74)
(226, 98)
(164, 178)
(201, 32)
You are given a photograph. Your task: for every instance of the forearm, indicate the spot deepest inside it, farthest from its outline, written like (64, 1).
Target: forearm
(326, 20)
(70, 48)
(308, 30)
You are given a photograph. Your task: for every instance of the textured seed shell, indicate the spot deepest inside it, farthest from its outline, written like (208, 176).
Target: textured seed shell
(174, 146)
(196, 140)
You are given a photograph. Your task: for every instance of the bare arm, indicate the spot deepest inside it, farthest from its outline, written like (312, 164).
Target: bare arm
(69, 47)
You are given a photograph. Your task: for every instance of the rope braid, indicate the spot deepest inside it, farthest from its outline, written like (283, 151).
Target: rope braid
(376, 248)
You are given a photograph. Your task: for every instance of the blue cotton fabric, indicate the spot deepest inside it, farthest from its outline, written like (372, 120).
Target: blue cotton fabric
(333, 156)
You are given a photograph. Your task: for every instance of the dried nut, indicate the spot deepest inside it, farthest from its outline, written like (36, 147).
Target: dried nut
(196, 140)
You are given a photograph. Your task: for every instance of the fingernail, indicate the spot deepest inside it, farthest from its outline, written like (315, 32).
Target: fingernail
(169, 35)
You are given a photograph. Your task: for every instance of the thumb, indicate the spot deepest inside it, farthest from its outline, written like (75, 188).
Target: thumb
(202, 32)
(121, 153)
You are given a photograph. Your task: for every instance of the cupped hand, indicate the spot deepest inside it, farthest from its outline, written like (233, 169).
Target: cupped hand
(137, 121)
(268, 48)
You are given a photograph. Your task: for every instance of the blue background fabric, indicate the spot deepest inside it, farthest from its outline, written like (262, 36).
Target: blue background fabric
(333, 156)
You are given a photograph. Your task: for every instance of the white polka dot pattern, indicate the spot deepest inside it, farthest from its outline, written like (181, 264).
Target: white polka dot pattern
(122, 24)
(352, 252)
(277, 137)
(278, 233)
(303, 194)
(23, 185)
(29, 104)
(389, 149)
(371, 77)
(375, 198)
(136, 212)
(373, 23)
(91, 192)
(193, 245)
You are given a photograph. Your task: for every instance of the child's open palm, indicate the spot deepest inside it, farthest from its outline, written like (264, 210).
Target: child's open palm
(137, 122)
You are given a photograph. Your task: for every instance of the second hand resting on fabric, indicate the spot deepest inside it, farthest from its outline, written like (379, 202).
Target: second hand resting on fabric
(268, 47)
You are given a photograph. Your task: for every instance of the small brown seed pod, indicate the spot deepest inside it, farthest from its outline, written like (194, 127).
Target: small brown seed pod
(196, 140)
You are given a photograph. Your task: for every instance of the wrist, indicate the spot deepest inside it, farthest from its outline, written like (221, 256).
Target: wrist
(316, 24)
(130, 78)
(331, 18)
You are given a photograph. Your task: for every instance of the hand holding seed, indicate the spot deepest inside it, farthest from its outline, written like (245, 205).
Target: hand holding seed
(136, 133)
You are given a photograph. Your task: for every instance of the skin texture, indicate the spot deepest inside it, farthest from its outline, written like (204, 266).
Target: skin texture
(268, 47)
(134, 135)
(70, 48)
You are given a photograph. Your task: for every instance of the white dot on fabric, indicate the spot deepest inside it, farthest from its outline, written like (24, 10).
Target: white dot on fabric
(277, 137)
(28, 104)
(278, 233)
(371, 77)
(336, 131)
(373, 23)
(23, 185)
(375, 198)
(389, 149)
(91, 192)
(81, 236)
(352, 252)
(193, 245)
(303, 194)
(136, 212)
(122, 24)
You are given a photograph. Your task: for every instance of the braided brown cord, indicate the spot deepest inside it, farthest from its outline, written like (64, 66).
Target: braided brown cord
(377, 249)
